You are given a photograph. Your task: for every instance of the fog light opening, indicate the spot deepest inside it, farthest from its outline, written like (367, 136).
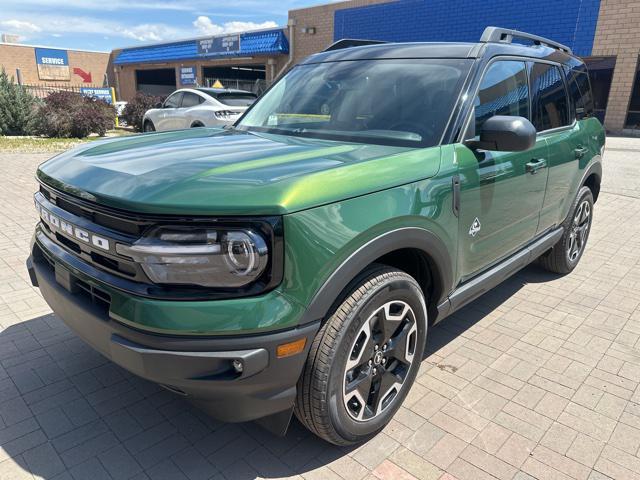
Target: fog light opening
(238, 366)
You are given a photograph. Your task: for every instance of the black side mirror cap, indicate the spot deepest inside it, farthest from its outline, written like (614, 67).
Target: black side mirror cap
(504, 133)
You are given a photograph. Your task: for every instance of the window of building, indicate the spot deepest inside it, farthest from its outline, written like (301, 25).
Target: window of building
(633, 115)
(600, 73)
(550, 103)
(156, 81)
(503, 91)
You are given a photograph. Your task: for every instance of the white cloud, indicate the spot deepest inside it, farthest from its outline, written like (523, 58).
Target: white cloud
(151, 32)
(205, 26)
(19, 26)
(56, 25)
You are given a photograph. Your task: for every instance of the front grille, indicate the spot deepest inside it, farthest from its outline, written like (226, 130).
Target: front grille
(121, 266)
(125, 224)
(97, 296)
(95, 224)
(109, 267)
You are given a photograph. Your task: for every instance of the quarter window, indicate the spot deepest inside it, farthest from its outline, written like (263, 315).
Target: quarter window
(190, 100)
(550, 104)
(580, 93)
(503, 91)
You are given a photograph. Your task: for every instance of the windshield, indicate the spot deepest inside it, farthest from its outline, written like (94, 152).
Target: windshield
(404, 102)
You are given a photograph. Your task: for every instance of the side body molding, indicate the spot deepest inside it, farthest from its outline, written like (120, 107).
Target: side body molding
(408, 237)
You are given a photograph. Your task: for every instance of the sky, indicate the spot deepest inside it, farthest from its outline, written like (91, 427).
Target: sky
(108, 24)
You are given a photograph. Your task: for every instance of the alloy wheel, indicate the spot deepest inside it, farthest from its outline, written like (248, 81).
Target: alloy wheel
(579, 231)
(379, 360)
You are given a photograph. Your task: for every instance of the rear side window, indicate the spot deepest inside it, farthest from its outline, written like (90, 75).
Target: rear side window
(503, 91)
(550, 103)
(190, 100)
(580, 92)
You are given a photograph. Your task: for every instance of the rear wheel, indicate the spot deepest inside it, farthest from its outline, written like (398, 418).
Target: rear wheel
(364, 359)
(565, 255)
(148, 126)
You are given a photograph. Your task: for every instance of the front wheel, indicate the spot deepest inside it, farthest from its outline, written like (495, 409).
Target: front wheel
(148, 126)
(565, 255)
(364, 359)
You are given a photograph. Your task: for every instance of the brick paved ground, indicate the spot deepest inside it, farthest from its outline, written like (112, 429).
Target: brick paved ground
(539, 378)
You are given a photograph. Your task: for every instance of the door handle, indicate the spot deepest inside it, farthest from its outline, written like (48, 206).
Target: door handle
(581, 152)
(536, 164)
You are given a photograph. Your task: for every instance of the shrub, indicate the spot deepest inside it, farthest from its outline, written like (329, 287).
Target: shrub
(16, 107)
(69, 114)
(135, 109)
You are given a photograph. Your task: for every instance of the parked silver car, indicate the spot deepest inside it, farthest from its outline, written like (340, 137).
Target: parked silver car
(198, 107)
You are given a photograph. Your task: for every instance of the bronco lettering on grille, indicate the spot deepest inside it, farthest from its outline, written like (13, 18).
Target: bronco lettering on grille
(58, 224)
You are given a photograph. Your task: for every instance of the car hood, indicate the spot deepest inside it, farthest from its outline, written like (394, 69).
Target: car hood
(219, 172)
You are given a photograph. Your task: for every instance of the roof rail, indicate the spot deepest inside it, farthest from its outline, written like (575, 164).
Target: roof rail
(506, 35)
(351, 42)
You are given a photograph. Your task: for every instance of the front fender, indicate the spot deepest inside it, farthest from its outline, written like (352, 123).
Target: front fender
(407, 237)
(327, 246)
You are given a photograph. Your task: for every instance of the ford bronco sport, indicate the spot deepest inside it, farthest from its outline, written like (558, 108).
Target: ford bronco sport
(294, 261)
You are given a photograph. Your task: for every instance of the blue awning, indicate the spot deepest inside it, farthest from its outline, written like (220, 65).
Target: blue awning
(251, 43)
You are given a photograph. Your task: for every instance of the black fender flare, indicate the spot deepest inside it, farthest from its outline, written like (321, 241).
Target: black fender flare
(594, 167)
(407, 237)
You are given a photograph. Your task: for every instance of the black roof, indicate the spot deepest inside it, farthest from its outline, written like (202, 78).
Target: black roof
(439, 50)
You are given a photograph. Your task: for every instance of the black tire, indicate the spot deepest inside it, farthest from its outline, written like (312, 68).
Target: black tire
(321, 403)
(197, 125)
(560, 259)
(148, 126)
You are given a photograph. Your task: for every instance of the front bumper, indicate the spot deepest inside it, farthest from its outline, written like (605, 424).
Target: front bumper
(198, 367)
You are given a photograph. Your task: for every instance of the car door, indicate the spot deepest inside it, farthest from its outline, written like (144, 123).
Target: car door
(170, 110)
(551, 116)
(187, 113)
(501, 193)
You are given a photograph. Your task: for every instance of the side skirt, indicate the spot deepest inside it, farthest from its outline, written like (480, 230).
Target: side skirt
(475, 287)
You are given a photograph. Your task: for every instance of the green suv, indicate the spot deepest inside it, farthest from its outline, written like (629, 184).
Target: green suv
(292, 263)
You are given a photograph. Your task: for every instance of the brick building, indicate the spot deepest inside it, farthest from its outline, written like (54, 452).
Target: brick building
(44, 66)
(603, 32)
(247, 60)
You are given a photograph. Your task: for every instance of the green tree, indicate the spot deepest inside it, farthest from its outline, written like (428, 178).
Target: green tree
(16, 107)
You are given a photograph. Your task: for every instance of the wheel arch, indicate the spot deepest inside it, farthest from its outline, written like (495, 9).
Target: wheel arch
(417, 251)
(592, 178)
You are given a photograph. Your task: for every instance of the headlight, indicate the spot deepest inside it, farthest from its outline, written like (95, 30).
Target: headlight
(223, 258)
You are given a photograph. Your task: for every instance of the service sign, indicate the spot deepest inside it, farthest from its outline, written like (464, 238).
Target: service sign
(218, 45)
(53, 64)
(101, 93)
(188, 75)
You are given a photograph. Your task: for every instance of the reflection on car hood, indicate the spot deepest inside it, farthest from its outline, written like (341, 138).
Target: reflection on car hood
(217, 172)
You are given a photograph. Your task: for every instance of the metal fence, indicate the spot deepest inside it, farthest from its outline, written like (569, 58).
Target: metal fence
(255, 86)
(41, 91)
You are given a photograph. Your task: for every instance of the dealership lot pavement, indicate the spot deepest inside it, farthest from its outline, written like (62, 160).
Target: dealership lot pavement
(540, 378)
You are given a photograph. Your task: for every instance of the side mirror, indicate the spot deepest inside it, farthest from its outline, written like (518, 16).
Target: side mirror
(158, 105)
(503, 133)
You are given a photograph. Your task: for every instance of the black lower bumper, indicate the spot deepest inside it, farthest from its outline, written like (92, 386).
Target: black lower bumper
(200, 368)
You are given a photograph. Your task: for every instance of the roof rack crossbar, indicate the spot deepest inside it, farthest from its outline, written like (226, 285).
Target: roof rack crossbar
(506, 35)
(351, 42)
